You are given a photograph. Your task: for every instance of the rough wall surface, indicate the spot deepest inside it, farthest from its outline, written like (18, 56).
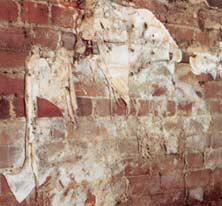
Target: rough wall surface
(117, 103)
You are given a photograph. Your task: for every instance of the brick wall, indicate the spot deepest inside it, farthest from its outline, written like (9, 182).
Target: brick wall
(190, 176)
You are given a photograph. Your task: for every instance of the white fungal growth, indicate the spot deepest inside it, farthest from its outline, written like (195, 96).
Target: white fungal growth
(128, 39)
(48, 75)
(205, 63)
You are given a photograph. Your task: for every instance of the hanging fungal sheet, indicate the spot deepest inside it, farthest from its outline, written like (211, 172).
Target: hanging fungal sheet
(128, 39)
(206, 63)
(48, 75)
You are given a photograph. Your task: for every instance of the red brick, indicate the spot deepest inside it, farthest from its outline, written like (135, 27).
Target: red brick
(19, 106)
(199, 178)
(119, 107)
(155, 6)
(172, 181)
(63, 16)
(10, 59)
(3, 138)
(13, 38)
(194, 160)
(68, 40)
(159, 91)
(84, 106)
(216, 124)
(71, 3)
(181, 16)
(184, 109)
(171, 164)
(4, 156)
(11, 86)
(90, 199)
(145, 107)
(213, 89)
(103, 107)
(141, 185)
(47, 109)
(181, 34)
(91, 89)
(136, 167)
(216, 139)
(215, 107)
(217, 176)
(9, 200)
(202, 37)
(45, 37)
(8, 11)
(34, 12)
(171, 108)
(213, 158)
(4, 187)
(4, 109)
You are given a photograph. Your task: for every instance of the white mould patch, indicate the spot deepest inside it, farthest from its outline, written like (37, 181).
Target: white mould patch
(48, 75)
(128, 39)
(206, 63)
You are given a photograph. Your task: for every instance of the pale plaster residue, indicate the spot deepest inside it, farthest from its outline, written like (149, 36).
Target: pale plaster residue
(206, 63)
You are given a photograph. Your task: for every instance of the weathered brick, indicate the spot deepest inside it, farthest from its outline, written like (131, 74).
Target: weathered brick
(9, 200)
(202, 38)
(8, 11)
(145, 107)
(90, 89)
(184, 109)
(47, 109)
(4, 187)
(68, 40)
(4, 157)
(84, 106)
(33, 12)
(90, 199)
(173, 181)
(119, 107)
(216, 123)
(45, 37)
(181, 34)
(216, 139)
(213, 89)
(140, 185)
(194, 160)
(171, 108)
(215, 106)
(213, 158)
(63, 16)
(11, 59)
(11, 86)
(159, 91)
(19, 106)
(103, 107)
(14, 38)
(198, 178)
(4, 109)
(135, 167)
